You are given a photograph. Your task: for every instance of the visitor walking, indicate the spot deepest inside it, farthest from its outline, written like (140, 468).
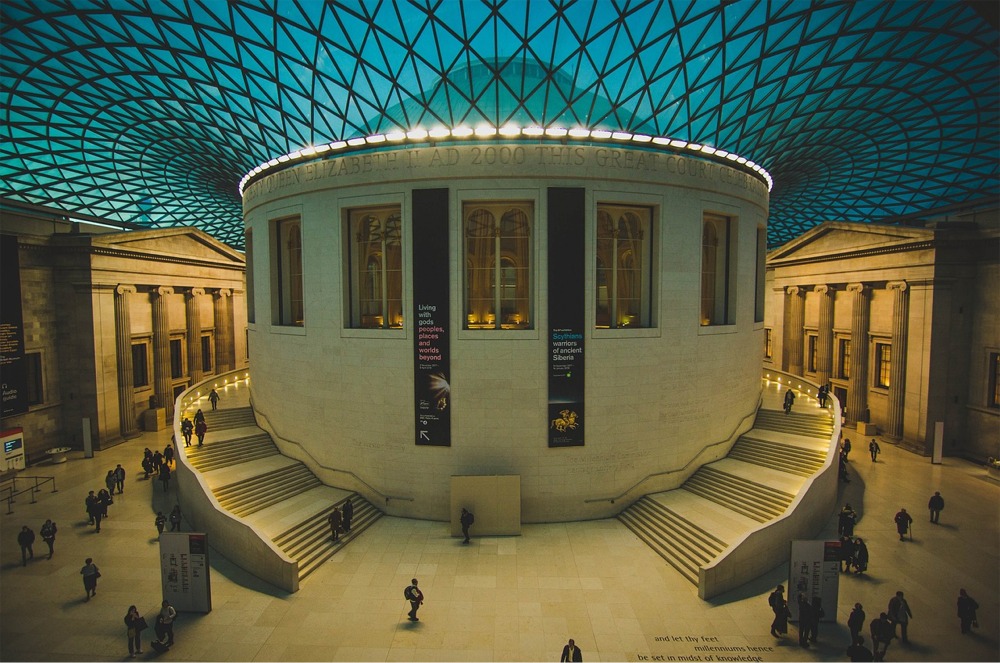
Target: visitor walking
(874, 449)
(935, 505)
(25, 539)
(90, 574)
(466, 519)
(967, 607)
(213, 397)
(48, 533)
(416, 599)
(903, 521)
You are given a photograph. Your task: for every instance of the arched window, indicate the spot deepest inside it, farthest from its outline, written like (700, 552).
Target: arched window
(498, 265)
(624, 261)
(376, 268)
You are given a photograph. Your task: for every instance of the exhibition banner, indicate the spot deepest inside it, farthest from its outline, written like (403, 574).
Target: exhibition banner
(431, 322)
(13, 370)
(814, 571)
(184, 571)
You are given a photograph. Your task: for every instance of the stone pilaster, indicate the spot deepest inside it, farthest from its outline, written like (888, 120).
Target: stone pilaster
(897, 369)
(824, 353)
(857, 390)
(123, 349)
(222, 309)
(796, 303)
(192, 316)
(163, 381)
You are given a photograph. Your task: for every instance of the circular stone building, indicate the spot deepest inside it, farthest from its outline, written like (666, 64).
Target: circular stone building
(586, 316)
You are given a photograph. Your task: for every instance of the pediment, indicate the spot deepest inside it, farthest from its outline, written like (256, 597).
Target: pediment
(185, 243)
(839, 239)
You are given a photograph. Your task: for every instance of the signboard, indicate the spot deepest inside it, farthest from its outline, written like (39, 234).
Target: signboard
(184, 571)
(814, 571)
(13, 449)
(567, 273)
(13, 370)
(431, 322)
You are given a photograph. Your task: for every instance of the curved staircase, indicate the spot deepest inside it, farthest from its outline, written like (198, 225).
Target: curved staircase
(693, 525)
(279, 496)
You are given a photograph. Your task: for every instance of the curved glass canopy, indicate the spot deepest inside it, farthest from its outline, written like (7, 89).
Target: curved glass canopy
(151, 112)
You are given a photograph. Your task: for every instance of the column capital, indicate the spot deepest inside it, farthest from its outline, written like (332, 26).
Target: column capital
(194, 292)
(825, 289)
(162, 290)
(857, 287)
(794, 290)
(124, 289)
(223, 292)
(897, 285)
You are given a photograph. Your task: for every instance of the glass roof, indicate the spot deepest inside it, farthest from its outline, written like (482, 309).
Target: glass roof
(151, 112)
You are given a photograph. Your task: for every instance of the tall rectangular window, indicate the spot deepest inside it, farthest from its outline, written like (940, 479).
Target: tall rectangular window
(249, 275)
(35, 383)
(176, 358)
(718, 270)
(759, 294)
(498, 269)
(812, 348)
(140, 365)
(844, 358)
(624, 261)
(375, 268)
(993, 394)
(290, 305)
(883, 364)
(768, 343)
(206, 353)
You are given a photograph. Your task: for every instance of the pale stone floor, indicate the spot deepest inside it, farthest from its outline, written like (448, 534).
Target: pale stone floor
(500, 598)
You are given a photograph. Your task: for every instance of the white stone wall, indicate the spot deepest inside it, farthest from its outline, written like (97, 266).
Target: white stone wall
(654, 397)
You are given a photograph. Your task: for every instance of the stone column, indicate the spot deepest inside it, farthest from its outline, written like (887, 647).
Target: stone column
(123, 348)
(192, 315)
(897, 369)
(793, 330)
(223, 313)
(163, 381)
(824, 353)
(857, 389)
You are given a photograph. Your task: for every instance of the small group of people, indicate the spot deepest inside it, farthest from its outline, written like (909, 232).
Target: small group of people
(159, 463)
(198, 427)
(135, 624)
(175, 520)
(853, 555)
(115, 480)
(340, 521)
(96, 507)
(26, 539)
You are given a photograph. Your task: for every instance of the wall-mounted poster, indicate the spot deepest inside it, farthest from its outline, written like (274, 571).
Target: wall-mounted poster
(184, 571)
(13, 370)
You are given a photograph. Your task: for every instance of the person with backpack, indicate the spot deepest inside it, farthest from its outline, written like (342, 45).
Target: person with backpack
(416, 598)
(466, 519)
(48, 533)
(779, 607)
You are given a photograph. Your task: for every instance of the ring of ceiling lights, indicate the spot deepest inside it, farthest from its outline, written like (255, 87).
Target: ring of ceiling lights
(505, 133)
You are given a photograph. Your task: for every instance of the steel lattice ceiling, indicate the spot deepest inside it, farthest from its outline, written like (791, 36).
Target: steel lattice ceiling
(151, 112)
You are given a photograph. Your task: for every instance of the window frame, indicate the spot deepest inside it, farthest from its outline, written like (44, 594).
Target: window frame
(145, 353)
(993, 380)
(768, 343)
(207, 353)
(391, 315)
(882, 364)
(288, 283)
(718, 283)
(646, 217)
(34, 373)
(178, 359)
(844, 350)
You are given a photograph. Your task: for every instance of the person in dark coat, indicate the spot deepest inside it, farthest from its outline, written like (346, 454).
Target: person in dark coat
(336, 520)
(466, 519)
(805, 620)
(348, 515)
(881, 632)
(935, 505)
(119, 479)
(96, 511)
(25, 539)
(860, 556)
(168, 455)
(845, 448)
(200, 428)
(160, 522)
(105, 500)
(967, 607)
(789, 400)
(90, 574)
(846, 520)
(416, 599)
(199, 416)
(856, 622)
(874, 449)
(175, 518)
(213, 398)
(134, 624)
(187, 430)
(779, 625)
(858, 652)
(111, 481)
(48, 533)
(571, 653)
(900, 615)
(157, 462)
(165, 477)
(846, 553)
(903, 520)
(147, 464)
(88, 504)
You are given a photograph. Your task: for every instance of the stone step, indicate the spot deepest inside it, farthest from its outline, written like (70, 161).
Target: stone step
(258, 492)
(231, 452)
(796, 460)
(749, 498)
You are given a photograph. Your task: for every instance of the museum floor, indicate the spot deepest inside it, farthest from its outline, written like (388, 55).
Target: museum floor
(500, 598)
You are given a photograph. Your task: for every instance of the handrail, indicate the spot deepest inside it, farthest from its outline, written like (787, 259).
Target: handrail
(686, 465)
(32, 489)
(275, 434)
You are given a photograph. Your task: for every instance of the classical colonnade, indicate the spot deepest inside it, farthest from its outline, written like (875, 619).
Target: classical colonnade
(224, 360)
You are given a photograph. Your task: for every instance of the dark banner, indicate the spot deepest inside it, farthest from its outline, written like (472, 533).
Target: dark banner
(566, 316)
(13, 370)
(432, 349)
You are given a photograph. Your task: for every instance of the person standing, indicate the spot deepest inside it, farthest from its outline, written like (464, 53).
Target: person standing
(903, 521)
(168, 455)
(111, 481)
(860, 556)
(846, 553)
(165, 476)
(348, 515)
(936, 506)
(846, 520)
(846, 448)
(105, 500)
(874, 449)
(135, 624)
(187, 430)
(336, 521)
(571, 653)
(805, 621)
(157, 462)
(96, 511)
(165, 623)
(881, 632)
(856, 622)
(789, 400)
(821, 396)
(858, 652)
(899, 614)
(160, 522)
(175, 518)
(200, 428)
(967, 607)
(48, 533)
(90, 574)
(213, 397)
(779, 625)
(25, 539)
(416, 599)
(120, 479)
(88, 504)
(466, 519)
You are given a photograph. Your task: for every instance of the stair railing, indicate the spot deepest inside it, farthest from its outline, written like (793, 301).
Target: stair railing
(312, 459)
(696, 460)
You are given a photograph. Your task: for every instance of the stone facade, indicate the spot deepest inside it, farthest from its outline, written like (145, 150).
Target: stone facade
(902, 322)
(87, 300)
